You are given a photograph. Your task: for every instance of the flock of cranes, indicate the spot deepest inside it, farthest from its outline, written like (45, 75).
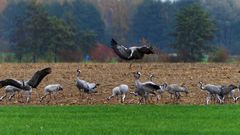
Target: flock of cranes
(13, 86)
(142, 89)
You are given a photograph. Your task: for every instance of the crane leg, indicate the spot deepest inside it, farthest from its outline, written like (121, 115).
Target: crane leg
(41, 99)
(11, 96)
(29, 96)
(2, 97)
(109, 97)
(123, 98)
(208, 98)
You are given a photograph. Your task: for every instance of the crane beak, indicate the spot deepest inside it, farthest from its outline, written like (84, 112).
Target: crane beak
(139, 73)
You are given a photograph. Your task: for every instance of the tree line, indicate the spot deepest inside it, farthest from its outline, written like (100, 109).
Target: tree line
(70, 30)
(38, 32)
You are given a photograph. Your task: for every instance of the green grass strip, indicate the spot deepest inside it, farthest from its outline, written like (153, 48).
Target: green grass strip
(120, 120)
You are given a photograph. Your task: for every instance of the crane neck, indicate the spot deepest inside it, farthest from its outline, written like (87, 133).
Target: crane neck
(137, 82)
(78, 74)
(201, 86)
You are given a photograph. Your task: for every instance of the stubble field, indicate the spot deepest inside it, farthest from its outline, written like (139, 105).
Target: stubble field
(111, 75)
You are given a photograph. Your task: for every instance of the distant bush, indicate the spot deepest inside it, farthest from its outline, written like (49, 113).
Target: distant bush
(220, 55)
(102, 53)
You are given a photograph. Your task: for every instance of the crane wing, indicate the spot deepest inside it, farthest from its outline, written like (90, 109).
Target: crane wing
(146, 50)
(92, 85)
(11, 82)
(38, 76)
(152, 86)
(120, 50)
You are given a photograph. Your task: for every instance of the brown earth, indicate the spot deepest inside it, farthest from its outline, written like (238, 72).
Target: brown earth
(111, 75)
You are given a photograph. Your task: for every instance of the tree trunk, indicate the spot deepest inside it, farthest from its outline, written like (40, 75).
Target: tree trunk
(20, 59)
(55, 54)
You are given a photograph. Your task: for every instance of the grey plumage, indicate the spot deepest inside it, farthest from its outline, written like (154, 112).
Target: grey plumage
(84, 85)
(213, 90)
(175, 89)
(228, 90)
(120, 90)
(144, 89)
(50, 89)
(132, 52)
(10, 90)
(160, 90)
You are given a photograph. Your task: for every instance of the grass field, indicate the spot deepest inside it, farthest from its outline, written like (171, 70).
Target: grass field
(120, 119)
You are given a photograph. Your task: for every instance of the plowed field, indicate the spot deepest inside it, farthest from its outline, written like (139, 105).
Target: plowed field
(111, 75)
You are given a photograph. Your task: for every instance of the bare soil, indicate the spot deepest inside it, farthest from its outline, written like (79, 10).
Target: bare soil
(111, 75)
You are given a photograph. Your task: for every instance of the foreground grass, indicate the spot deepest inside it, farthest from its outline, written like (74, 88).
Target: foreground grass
(120, 119)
